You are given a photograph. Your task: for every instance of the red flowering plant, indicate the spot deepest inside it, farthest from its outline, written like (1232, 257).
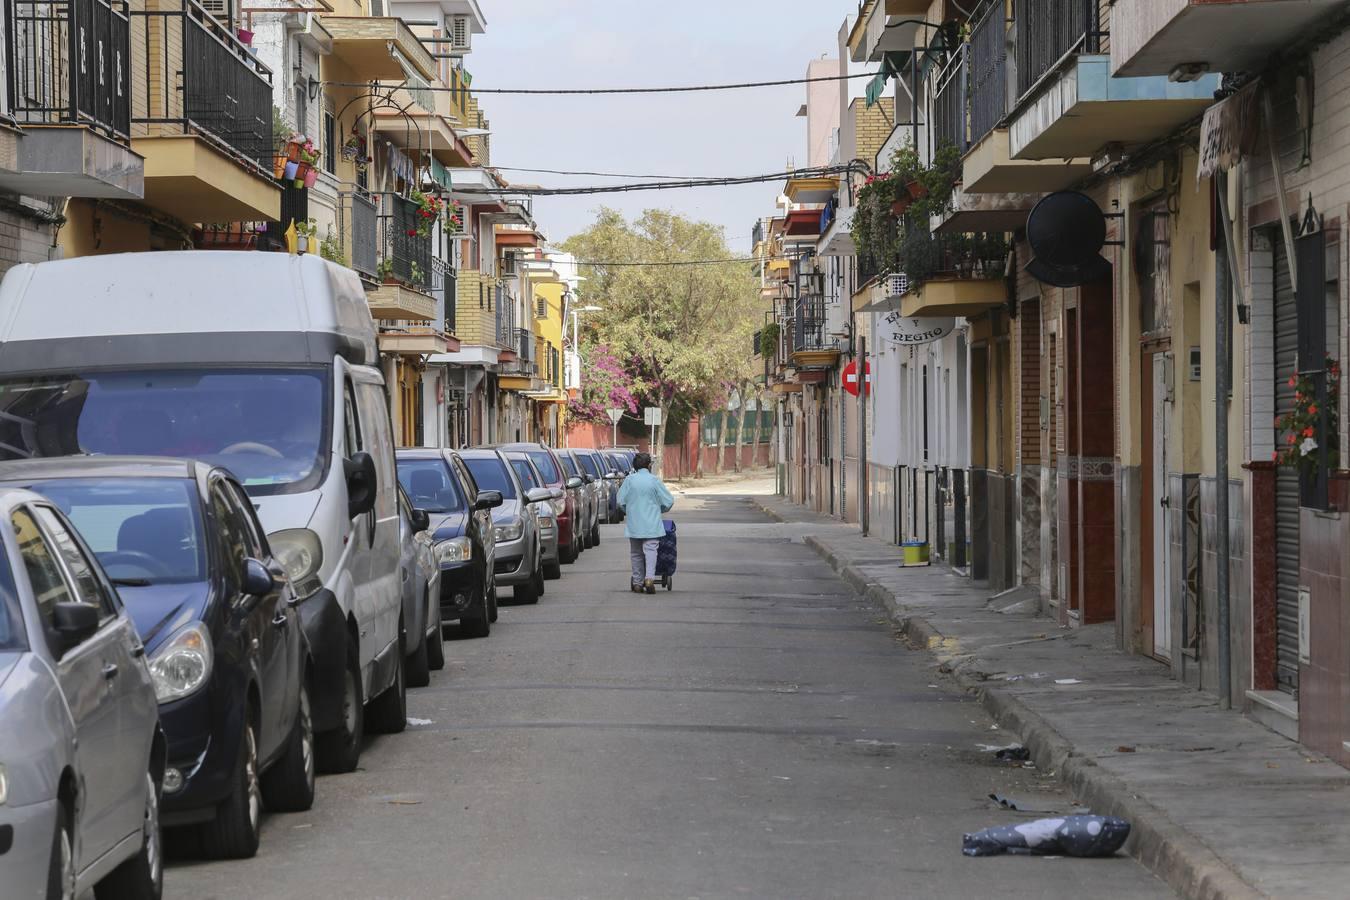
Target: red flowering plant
(428, 209)
(1301, 430)
(452, 218)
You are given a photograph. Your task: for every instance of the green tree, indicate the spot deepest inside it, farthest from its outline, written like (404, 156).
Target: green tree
(680, 329)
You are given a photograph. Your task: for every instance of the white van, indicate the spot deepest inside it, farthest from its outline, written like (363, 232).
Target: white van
(263, 363)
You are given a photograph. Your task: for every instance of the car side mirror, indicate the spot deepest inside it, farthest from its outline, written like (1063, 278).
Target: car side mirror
(74, 623)
(538, 495)
(258, 580)
(361, 483)
(556, 494)
(421, 520)
(487, 500)
(574, 482)
(589, 479)
(612, 475)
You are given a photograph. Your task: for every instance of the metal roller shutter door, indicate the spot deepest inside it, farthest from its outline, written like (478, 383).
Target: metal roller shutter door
(1286, 484)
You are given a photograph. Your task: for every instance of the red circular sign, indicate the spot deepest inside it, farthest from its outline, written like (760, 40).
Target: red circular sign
(850, 377)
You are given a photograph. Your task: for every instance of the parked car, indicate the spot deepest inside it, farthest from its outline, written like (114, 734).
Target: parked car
(565, 509)
(222, 635)
(590, 505)
(520, 556)
(438, 482)
(81, 751)
(619, 467)
(527, 473)
(279, 383)
(420, 578)
(593, 466)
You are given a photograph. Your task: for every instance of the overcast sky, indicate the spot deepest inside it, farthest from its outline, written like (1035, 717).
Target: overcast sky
(606, 43)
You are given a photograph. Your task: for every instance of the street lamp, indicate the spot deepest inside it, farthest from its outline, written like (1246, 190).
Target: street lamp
(576, 315)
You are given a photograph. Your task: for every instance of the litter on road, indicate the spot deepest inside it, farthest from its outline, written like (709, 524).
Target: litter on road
(1082, 836)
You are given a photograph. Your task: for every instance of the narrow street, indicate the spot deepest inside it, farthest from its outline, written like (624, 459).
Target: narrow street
(759, 732)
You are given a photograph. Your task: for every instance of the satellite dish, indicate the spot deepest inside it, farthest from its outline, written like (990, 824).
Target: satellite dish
(1066, 232)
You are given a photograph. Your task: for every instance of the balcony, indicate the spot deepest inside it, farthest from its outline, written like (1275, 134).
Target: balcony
(412, 340)
(359, 224)
(405, 255)
(879, 28)
(377, 48)
(950, 274)
(75, 116)
(1154, 37)
(207, 130)
(1070, 104)
(1003, 211)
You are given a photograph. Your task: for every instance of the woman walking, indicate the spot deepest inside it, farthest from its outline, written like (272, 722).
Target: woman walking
(643, 498)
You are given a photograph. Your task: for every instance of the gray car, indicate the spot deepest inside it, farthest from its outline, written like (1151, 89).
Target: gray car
(81, 751)
(420, 580)
(590, 491)
(545, 514)
(520, 559)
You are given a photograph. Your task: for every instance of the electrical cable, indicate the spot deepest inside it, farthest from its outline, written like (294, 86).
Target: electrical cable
(538, 191)
(596, 174)
(672, 262)
(678, 89)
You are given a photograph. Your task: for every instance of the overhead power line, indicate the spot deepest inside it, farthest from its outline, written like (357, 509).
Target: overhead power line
(595, 174)
(671, 262)
(675, 89)
(538, 191)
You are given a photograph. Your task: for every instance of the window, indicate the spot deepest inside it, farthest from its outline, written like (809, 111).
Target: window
(544, 460)
(491, 475)
(232, 534)
(524, 472)
(44, 573)
(301, 103)
(330, 149)
(430, 485)
(350, 421)
(87, 585)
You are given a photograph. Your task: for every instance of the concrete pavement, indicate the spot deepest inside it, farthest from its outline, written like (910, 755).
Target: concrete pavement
(1221, 806)
(761, 731)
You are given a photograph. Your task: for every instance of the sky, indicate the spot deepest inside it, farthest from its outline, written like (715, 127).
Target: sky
(609, 43)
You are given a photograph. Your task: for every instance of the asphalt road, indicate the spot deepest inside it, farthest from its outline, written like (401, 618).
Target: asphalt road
(758, 732)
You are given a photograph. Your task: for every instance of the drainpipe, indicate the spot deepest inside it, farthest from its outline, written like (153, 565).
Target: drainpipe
(1222, 379)
(864, 507)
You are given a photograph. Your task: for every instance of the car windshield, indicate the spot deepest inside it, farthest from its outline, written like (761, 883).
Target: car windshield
(569, 463)
(544, 461)
(618, 462)
(523, 472)
(491, 475)
(429, 485)
(11, 617)
(589, 462)
(143, 530)
(268, 426)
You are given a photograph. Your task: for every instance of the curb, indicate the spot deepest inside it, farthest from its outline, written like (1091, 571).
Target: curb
(1183, 861)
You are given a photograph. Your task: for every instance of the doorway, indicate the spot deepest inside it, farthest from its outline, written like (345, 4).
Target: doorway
(1155, 540)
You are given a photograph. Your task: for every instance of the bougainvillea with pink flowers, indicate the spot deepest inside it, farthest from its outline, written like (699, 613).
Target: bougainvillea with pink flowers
(605, 384)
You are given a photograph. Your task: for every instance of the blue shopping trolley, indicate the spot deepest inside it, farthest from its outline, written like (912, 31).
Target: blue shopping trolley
(665, 556)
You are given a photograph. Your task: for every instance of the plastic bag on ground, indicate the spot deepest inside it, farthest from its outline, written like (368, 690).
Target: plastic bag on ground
(1067, 835)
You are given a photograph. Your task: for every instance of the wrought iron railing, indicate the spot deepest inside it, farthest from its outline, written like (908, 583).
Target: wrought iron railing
(364, 221)
(525, 344)
(70, 64)
(987, 72)
(444, 286)
(294, 208)
(921, 255)
(505, 310)
(949, 103)
(406, 254)
(1047, 30)
(201, 79)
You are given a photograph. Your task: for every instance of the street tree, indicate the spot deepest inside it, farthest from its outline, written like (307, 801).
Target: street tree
(676, 321)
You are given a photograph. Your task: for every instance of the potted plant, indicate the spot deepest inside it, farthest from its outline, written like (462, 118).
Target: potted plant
(331, 248)
(305, 233)
(428, 208)
(1309, 420)
(415, 272)
(385, 271)
(452, 220)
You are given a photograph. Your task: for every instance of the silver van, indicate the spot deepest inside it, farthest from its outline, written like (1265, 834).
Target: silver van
(265, 364)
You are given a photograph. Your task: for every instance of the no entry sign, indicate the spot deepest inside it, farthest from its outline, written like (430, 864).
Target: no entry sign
(850, 376)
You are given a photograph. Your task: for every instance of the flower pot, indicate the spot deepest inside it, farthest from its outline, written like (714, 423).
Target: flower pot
(289, 170)
(898, 207)
(245, 36)
(916, 189)
(279, 167)
(311, 176)
(293, 151)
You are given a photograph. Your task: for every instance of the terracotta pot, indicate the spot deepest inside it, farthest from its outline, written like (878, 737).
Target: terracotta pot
(278, 166)
(311, 176)
(290, 170)
(898, 207)
(916, 189)
(293, 152)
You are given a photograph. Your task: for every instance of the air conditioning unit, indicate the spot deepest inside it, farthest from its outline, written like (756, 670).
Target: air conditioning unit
(461, 34)
(218, 8)
(897, 285)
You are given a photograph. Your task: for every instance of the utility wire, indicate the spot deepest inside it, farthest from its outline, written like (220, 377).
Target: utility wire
(678, 89)
(597, 174)
(538, 191)
(672, 262)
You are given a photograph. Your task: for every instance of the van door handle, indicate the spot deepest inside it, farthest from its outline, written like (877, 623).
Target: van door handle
(109, 671)
(281, 621)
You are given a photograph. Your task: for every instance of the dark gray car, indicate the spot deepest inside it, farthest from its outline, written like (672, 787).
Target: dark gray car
(81, 752)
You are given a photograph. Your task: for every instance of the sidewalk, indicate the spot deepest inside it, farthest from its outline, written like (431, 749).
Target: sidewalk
(1221, 807)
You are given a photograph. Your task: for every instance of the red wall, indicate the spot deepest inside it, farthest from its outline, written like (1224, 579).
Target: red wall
(679, 459)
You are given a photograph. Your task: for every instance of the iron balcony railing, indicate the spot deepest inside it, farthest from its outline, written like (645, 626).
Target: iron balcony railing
(921, 255)
(987, 73)
(69, 64)
(808, 332)
(949, 103)
(201, 79)
(444, 287)
(363, 221)
(406, 253)
(1048, 30)
(525, 344)
(505, 310)
(294, 208)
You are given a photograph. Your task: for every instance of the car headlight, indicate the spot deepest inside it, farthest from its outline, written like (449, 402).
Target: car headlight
(4, 785)
(509, 530)
(183, 664)
(455, 550)
(300, 553)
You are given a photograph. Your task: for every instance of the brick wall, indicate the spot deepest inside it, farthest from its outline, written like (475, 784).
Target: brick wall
(872, 127)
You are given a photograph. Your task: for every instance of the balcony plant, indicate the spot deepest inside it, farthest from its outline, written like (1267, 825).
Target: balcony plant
(768, 339)
(1300, 428)
(415, 273)
(331, 248)
(428, 208)
(305, 233)
(452, 218)
(384, 270)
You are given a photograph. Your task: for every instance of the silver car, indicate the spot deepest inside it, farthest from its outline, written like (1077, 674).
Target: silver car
(520, 558)
(545, 514)
(81, 751)
(421, 587)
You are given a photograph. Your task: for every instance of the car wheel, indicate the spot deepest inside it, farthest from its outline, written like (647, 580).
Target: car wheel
(388, 713)
(595, 535)
(474, 622)
(339, 750)
(539, 577)
(492, 602)
(418, 664)
(61, 867)
(553, 570)
(235, 831)
(289, 785)
(527, 593)
(436, 644)
(567, 554)
(142, 876)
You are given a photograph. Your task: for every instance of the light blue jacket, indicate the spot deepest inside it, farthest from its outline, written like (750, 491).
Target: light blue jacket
(643, 498)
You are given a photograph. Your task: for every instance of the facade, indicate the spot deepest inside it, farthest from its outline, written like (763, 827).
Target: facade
(1090, 405)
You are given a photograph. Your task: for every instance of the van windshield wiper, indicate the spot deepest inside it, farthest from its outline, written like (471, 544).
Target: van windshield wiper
(131, 582)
